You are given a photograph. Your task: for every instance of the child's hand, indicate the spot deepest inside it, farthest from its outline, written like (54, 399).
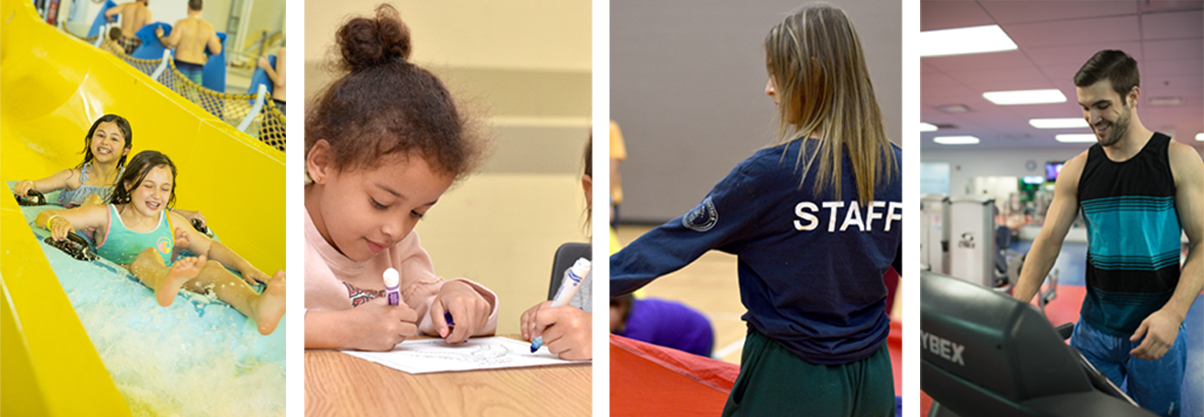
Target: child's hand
(264, 63)
(159, 32)
(191, 215)
(468, 309)
(527, 324)
(565, 330)
(59, 227)
(252, 276)
(380, 325)
(21, 188)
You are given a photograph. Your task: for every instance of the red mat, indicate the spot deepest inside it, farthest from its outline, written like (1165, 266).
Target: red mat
(650, 380)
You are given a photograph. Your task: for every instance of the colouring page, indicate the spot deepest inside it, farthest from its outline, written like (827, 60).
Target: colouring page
(435, 355)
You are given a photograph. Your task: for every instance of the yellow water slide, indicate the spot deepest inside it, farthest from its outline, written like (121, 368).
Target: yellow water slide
(52, 87)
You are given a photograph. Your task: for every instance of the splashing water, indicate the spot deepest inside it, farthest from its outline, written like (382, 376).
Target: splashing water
(197, 357)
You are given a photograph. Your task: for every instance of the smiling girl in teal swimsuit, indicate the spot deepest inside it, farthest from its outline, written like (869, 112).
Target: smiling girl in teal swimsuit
(135, 231)
(91, 182)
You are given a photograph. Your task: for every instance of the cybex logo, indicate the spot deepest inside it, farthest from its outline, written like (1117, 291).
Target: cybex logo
(942, 347)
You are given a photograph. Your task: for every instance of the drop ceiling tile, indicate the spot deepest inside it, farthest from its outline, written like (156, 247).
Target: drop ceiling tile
(1074, 32)
(1173, 25)
(944, 14)
(1074, 54)
(1042, 11)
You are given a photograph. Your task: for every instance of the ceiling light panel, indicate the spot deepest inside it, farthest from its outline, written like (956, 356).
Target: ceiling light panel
(1011, 98)
(1065, 123)
(968, 40)
(1075, 137)
(956, 140)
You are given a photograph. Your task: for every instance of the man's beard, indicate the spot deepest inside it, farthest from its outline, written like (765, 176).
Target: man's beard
(1116, 131)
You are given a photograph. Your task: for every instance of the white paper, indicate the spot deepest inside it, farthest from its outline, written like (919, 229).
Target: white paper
(435, 355)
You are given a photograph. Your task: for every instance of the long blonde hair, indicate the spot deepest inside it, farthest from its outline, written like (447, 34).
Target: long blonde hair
(814, 58)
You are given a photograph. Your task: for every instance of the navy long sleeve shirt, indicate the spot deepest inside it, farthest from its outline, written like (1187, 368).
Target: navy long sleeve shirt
(810, 265)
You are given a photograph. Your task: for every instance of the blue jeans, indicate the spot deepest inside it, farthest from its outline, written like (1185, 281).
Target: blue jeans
(1155, 385)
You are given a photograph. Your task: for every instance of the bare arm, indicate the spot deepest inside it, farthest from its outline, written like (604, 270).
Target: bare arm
(1188, 170)
(277, 78)
(56, 181)
(65, 221)
(114, 11)
(215, 44)
(1048, 243)
(172, 40)
(280, 70)
(1161, 327)
(375, 325)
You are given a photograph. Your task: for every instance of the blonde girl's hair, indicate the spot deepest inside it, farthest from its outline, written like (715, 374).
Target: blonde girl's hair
(815, 61)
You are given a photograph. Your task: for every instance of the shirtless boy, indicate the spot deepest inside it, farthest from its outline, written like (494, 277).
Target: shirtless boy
(134, 15)
(189, 37)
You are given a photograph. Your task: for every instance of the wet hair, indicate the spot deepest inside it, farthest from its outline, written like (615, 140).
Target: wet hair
(126, 132)
(815, 61)
(195, 5)
(140, 165)
(1112, 65)
(384, 105)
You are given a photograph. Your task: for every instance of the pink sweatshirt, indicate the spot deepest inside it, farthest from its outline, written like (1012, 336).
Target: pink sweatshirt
(326, 269)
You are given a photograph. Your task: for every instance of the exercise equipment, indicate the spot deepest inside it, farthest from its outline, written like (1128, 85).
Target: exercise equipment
(986, 354)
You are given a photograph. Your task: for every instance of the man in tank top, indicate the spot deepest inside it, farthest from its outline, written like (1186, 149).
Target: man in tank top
(1137, 189)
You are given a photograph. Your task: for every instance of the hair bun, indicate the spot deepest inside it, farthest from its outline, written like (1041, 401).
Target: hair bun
(366, 42)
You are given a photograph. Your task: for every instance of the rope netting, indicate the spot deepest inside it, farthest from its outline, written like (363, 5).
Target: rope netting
(267, 124)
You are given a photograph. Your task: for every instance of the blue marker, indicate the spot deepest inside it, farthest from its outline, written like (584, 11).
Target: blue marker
(568, 287)
(448, 319)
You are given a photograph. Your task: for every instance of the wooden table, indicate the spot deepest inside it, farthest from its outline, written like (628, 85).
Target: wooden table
(337, 384)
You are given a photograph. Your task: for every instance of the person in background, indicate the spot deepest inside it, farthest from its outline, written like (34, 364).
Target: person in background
(277, 75)
(190, 38)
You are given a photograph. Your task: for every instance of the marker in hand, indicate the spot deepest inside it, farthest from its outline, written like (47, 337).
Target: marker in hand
(393, 292)
(568, 287)
(392, 286)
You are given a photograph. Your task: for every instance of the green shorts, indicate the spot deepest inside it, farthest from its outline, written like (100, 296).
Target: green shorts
(773, 381)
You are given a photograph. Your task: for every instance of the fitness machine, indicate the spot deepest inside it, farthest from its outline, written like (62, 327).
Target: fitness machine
(987, 354)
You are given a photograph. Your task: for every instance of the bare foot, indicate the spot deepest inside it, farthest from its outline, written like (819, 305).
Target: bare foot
(183, 270)
(270, 305)
(181, 238)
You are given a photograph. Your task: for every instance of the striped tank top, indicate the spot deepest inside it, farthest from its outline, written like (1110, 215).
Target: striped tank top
(1132, 236)
(122, 245)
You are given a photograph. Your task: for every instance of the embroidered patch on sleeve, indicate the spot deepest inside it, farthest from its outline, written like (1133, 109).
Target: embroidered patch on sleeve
(701, 218)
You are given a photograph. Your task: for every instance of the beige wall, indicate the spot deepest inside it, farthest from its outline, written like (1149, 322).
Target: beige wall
(513, 34)
(170, 12)
(524, 66)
